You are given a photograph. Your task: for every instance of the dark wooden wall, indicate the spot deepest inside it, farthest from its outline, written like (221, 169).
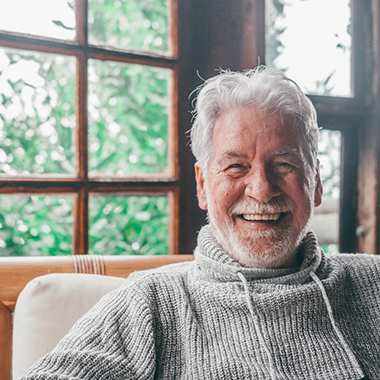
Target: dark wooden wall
(212, 34)
(369, 145)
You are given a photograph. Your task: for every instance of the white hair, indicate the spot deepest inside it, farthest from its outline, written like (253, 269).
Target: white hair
(265, 89)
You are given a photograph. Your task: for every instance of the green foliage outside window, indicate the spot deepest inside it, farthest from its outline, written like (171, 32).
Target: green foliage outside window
(128, 119)
(35, 225)
(141, 24)
(129, 225)
(37, 119)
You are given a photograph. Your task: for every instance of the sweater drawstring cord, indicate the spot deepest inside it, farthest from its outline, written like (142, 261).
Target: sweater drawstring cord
(345, 345)
(272, 369)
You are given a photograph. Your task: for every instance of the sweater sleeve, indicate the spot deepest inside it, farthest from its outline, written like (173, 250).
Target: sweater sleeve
(114, 340)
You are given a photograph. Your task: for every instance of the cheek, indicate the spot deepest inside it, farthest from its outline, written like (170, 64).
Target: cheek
(300, 191)
(225, 194)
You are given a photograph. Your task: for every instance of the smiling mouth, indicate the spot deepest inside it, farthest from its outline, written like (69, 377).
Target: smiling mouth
(261, 217)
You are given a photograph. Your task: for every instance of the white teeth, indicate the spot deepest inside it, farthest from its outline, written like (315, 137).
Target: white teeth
(255, 217)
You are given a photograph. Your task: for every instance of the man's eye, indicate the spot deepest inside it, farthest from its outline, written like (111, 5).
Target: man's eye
(284, 167)
(236, 170)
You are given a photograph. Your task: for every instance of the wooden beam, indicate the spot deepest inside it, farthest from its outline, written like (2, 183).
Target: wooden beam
(369, 143)
(5, 342)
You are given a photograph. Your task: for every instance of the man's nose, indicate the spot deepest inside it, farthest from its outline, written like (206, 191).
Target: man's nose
(261, 186)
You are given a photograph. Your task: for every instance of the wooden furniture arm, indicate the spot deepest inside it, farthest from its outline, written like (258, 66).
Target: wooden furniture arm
(5, 342)
(16, 272)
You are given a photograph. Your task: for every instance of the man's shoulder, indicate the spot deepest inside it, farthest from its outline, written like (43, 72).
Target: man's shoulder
(166, 273)
(357, 261)
(147, 286)
(352, 258)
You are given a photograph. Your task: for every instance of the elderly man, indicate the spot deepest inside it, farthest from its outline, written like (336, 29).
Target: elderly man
(261, 300)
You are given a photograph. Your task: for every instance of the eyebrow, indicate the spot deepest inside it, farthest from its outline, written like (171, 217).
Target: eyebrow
(230, 155)
(292, 152)
(289, 152)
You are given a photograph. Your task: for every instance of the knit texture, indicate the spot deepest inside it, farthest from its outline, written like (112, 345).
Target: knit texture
(214, 319)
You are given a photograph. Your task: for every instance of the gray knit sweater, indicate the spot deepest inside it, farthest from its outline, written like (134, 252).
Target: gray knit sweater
(213, 319)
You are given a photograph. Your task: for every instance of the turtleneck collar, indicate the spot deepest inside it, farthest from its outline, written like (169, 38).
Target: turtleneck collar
(214, 262)
(213, 259)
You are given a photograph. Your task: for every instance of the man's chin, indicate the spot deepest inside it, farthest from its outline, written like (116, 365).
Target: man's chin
(263, 250)
(273, 257)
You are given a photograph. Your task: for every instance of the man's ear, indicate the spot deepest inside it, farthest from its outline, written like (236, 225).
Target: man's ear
(201, 187)
(318, 188)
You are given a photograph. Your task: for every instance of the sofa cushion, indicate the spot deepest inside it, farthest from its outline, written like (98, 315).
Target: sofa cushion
(48, 307)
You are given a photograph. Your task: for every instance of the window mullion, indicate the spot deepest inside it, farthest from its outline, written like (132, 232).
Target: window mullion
(80, 233)
(81, 218)
(81, 21)
(173, 27)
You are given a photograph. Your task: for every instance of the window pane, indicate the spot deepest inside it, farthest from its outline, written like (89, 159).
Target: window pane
(310, 41)
(128, 119)
(326, 216)
(141, 24)
(55, 19)
(35, 225)
(135, 225)
(37, 119)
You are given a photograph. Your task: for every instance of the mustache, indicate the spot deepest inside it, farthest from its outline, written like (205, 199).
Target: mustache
(252, 206)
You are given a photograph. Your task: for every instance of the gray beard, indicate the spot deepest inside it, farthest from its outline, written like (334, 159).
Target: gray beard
(267, 249)
(273, 247)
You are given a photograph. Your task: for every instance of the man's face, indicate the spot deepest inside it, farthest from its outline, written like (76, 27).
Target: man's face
(259, 188)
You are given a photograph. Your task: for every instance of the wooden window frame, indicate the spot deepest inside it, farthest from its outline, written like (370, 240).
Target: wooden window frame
(348, 115)
(82, 185)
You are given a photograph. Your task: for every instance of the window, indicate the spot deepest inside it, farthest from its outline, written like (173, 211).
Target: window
(318, 44)
(311, 41)
(325, 222)
(88, 127)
